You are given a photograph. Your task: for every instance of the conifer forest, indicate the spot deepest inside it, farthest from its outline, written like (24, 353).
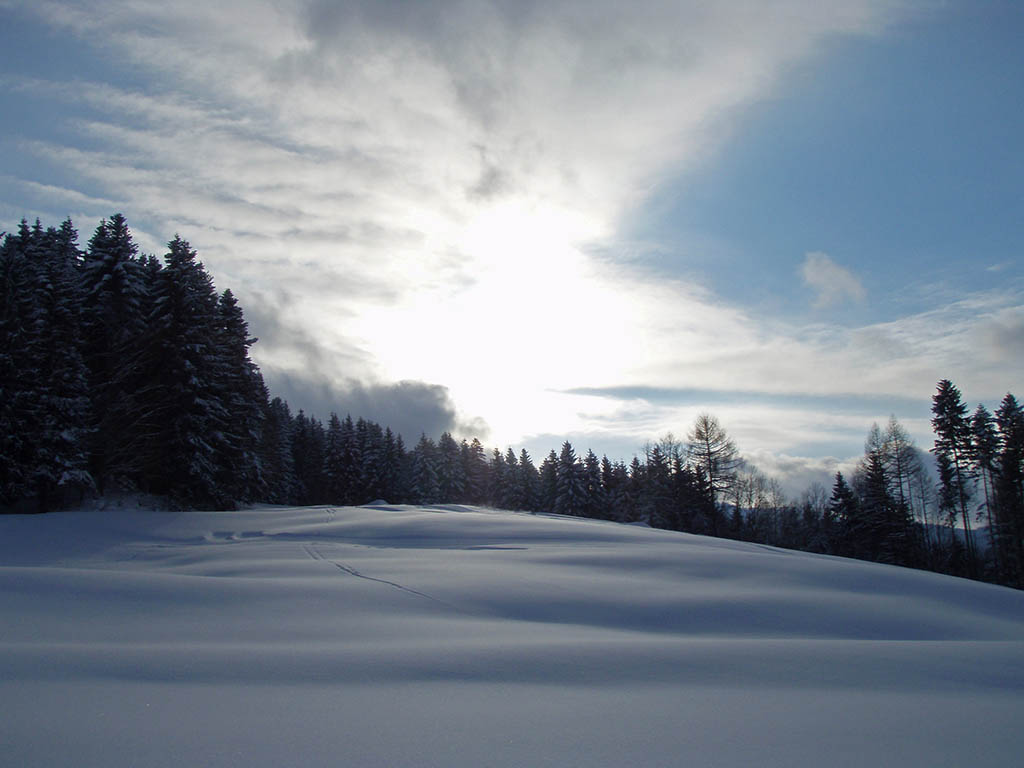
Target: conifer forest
(123, 371)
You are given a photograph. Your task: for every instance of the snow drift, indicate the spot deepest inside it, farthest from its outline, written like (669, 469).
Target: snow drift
(448, 636)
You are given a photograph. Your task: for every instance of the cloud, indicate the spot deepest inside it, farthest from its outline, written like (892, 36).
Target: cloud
(796, 474)
(832, 283)
(867, 402)
(1001, 266)
(408, 407)
(1002, 334)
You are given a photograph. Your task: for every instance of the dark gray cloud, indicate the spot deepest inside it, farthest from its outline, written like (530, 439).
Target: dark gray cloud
(408, 407)
(307, 382)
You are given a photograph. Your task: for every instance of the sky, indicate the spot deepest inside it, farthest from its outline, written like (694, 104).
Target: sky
(532, 221)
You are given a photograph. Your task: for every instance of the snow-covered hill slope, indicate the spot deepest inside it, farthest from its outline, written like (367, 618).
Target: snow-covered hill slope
(450, 636)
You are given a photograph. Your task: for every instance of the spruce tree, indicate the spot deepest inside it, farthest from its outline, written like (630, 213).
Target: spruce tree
(61, 400)
(179, 409)
(952, 452)
(529, 482)
(498, 479)
(1009, 490)
(881, 530)
(510, 488)
(571, 494)
(393, 478)
(334, 463)
(350, 462)
(687, 500)
(17, 375)
(548, 483)
(308, 441)
(474, 468)
(424, 486)
(237, 384)
(43, 391)
(984, 455)
(843, 514)
(275, 452)
(633, 508)
(113, 328)
(594, 504)
(451, 474)
(369, 440)
(658, 490)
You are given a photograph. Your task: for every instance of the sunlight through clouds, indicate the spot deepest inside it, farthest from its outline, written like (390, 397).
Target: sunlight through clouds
(436, 192)
(517, 328)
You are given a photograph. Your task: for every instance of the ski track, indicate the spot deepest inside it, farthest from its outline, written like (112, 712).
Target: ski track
(312, 551)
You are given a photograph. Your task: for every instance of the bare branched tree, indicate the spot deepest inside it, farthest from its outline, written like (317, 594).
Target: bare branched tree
(713, 450)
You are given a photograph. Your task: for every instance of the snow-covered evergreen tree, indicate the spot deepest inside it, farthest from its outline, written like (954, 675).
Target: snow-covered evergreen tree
(114, 298)
(474, 465)
(181, 421)
(370, 438)
(548, 483)
(394, 479)
(43, 388)
(62, 401)
(499, 480)
(594, 504)
(308, 455)
(239, 386)
(510, 488)
(349, 462)
(572, 489)
(528, 480)
(658, 490)
(451, 474)
(334, 462)
(276, 457)
(615, 485)
(424, 487)
(17, 377)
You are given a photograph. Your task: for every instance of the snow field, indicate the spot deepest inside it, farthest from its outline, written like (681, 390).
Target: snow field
(453, 636)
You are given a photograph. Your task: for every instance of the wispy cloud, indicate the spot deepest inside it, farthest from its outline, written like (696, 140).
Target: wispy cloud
(832, 283)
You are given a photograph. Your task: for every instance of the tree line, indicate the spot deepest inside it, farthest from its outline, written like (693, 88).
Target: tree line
(120, 369)
(123, 370)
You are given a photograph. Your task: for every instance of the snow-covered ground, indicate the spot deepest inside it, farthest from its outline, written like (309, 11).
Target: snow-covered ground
(450, 636)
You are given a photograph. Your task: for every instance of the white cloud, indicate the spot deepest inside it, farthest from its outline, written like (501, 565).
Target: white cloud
(832, 283)
(796, 474)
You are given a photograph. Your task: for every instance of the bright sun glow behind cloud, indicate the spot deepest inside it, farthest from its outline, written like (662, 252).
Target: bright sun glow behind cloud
(529, 321)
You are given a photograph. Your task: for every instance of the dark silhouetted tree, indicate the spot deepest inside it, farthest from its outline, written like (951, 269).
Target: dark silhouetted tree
(952, 453)
(114, 296)
(714, 452)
